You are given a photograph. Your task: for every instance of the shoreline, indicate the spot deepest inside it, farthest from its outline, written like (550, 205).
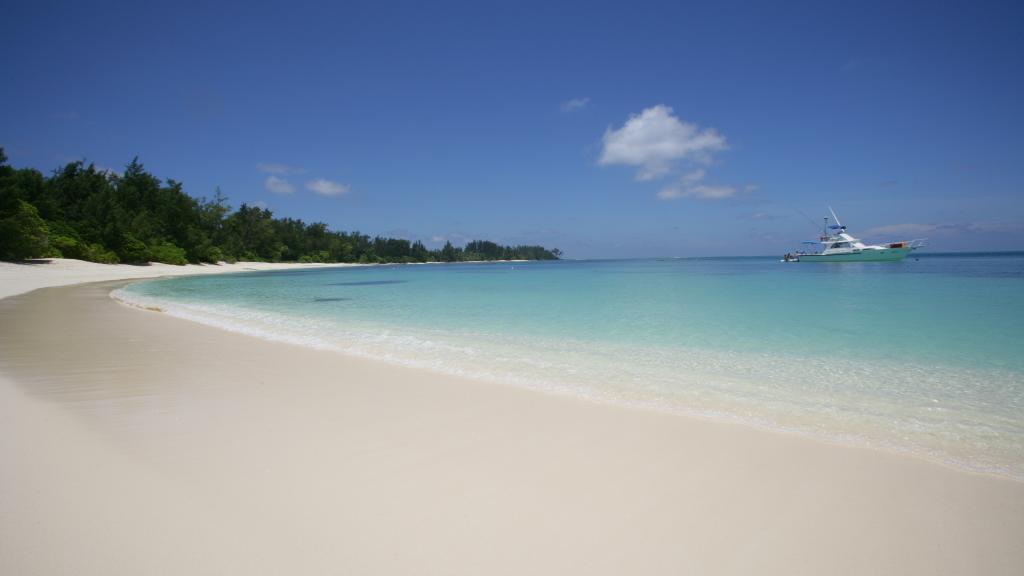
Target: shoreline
(514, 371)
(721, 416)
(271, 457)
(21, 277)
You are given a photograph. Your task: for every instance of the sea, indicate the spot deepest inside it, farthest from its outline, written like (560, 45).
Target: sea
(923, 356)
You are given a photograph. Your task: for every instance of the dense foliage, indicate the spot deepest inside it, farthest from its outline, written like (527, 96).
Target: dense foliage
(80, 212)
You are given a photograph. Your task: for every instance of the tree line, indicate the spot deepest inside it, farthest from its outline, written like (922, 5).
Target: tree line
(133, 217)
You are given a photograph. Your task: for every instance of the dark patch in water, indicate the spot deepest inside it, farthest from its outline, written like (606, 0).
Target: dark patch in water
(368, 283)
(330, 299)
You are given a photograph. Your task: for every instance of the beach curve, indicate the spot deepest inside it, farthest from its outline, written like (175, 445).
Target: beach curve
(204, 451)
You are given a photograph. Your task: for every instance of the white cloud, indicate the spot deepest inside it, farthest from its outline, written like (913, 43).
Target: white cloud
(260, 204)
(701, 191)
(914, 229)
(751, 188)
(275, 168)
(455, 238)
(897, 229)
(672, 193)
(694, 177)
(655, 140)
(690, 186)
(575, 104)
(706, 192)
(328, 188)
(278, 185)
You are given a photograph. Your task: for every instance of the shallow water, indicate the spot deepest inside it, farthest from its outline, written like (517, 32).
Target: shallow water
(923, 356)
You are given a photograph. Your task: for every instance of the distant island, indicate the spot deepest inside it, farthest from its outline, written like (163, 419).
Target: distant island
(88, 214)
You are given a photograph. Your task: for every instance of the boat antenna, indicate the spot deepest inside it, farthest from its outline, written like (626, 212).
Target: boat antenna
(809, 219)
(838, 223)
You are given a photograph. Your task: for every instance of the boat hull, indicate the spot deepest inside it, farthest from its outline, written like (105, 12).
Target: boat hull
(884, 255)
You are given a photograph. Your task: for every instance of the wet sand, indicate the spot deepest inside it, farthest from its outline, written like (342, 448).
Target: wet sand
(132, 442)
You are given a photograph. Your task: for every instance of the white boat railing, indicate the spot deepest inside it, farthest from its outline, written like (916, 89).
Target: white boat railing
(912, 244)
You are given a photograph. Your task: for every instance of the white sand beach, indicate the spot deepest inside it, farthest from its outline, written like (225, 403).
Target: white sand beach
(132, 442)
(18, 278)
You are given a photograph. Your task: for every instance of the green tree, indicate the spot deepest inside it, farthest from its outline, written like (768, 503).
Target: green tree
(131, 249)
(23, 234)
(81, 212)
(449, 253)
(167, 253)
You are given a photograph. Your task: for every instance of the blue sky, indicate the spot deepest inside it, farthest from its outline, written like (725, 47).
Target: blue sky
(606, 129)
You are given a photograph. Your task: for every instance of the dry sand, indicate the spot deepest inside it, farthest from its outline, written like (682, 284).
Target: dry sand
(132, 442)
(18, 278)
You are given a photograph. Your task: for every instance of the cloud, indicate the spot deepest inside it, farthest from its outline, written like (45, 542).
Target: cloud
(694, 177)
(455, 238)
(260, 204)
(328, 188)
(706, 192)
(278, 185)
(906, 228)
(914, 229)
(766, 216)
(691, 186)
(702, 192)
(655, 141)
(275, 168)
(575, 104)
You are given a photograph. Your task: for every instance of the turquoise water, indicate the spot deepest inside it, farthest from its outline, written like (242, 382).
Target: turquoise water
(923, 356)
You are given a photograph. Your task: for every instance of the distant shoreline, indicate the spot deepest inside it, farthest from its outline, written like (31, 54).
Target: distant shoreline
(20, 277)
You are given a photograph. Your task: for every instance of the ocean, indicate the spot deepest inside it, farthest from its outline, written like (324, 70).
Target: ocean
(924, 356)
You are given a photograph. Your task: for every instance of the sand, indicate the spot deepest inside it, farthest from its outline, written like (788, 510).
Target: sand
(132, 442)
(18, 278)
